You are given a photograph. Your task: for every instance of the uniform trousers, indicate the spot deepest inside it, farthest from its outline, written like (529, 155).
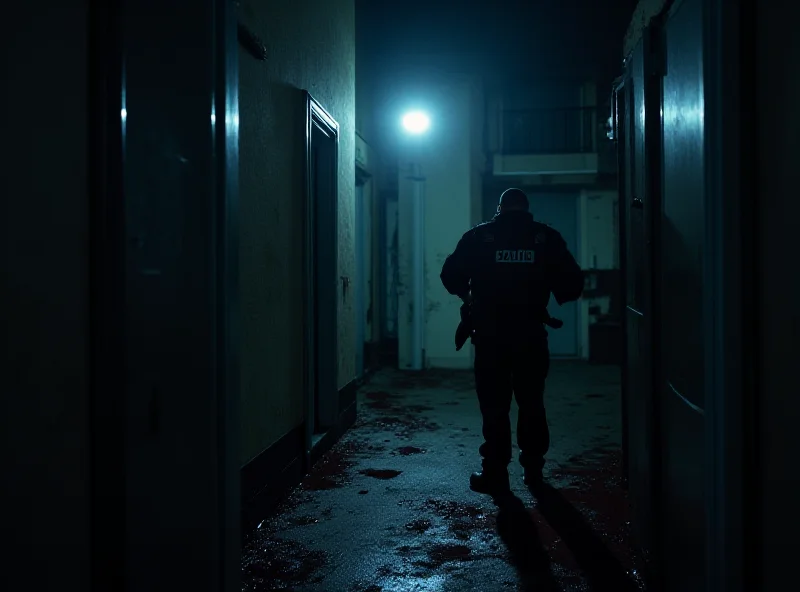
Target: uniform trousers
(518, 367)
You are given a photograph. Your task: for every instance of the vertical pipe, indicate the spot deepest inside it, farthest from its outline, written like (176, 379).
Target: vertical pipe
(417, 268)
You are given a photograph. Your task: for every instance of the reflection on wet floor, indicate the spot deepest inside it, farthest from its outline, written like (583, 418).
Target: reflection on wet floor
(389, 509)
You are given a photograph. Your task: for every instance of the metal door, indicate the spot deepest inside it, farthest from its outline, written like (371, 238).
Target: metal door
(639, 204)
(322, 290)
(682, 361)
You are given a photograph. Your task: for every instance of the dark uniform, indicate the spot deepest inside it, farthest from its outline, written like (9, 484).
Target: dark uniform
(507, 268)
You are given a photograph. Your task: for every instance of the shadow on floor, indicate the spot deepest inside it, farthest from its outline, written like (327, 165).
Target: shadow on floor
(518, 531)
(600, 567)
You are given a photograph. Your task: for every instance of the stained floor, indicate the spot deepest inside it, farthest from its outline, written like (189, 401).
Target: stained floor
(389, 508)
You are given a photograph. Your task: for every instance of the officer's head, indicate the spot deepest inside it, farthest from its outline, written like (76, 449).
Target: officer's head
(513, 200)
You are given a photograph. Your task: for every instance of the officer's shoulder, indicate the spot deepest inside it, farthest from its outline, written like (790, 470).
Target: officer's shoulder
(479, 229)
(546, 234)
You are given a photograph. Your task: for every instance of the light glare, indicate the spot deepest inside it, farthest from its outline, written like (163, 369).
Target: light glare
(416, 122)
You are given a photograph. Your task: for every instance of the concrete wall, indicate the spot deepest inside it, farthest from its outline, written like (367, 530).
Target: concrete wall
(311, 45)
(366, 115)
(43, 297)
(447, 160)
(367, 159)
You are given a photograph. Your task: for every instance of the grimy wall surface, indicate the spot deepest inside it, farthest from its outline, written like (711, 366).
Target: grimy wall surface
(311, 45)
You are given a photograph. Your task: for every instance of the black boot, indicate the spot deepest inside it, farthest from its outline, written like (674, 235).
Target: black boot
(491, 482)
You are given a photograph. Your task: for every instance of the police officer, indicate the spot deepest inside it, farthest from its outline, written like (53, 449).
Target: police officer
(506, 270)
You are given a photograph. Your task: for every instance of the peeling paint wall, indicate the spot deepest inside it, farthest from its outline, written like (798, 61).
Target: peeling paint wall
(403, 284)
(311, 45)
(366, 283)
(375, 311)
(392, 277)
(447, 161)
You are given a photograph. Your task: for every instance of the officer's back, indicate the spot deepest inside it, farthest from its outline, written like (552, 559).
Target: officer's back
(511, 264)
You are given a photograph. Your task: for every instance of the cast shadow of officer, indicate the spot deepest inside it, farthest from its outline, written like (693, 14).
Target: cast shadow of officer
(520, 535)
(518, 531)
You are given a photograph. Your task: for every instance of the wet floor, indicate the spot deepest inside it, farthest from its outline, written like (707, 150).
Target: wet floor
(389, 509)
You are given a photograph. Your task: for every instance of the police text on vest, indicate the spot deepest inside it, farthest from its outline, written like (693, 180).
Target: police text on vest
(520, 256)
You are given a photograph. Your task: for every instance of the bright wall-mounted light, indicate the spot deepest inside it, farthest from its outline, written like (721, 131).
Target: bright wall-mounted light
(416, 122)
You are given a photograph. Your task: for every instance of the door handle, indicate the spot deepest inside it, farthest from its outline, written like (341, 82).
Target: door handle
(637, 204)
(345, 285)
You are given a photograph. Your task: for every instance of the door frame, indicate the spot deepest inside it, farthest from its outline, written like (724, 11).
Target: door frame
(653, 94)
(641, 77)
(317, 299)
(730, 87)
(106, 296)
(108, 252)
(620, 107)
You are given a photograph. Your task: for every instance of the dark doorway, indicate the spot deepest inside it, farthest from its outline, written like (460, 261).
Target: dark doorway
(321, 264)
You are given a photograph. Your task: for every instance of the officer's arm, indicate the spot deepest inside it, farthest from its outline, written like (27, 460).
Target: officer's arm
(456, 274)
(566, 276)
